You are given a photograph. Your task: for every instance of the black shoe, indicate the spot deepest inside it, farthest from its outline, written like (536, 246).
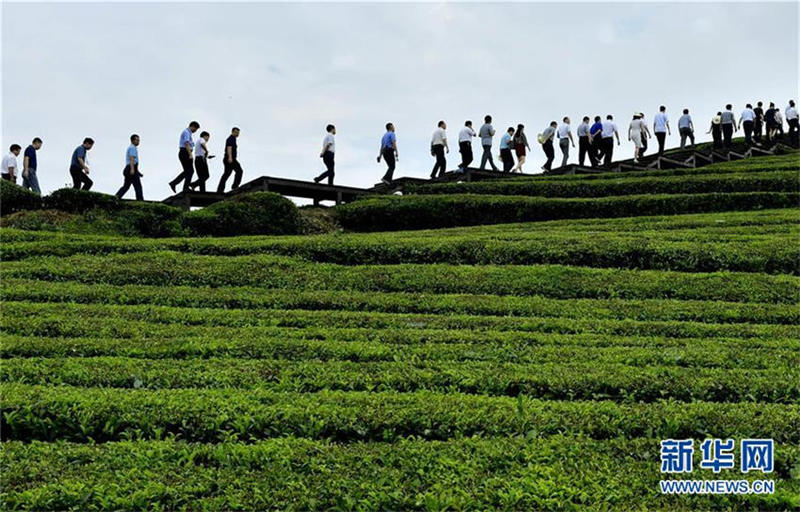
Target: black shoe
(172, 186)
(316, 180)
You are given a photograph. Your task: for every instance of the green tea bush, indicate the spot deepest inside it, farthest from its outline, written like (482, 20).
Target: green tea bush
(151, 219)
(14, 198)
(259, 213)
(80, 201)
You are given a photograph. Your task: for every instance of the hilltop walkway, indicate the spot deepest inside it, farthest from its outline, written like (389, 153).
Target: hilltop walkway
(688, 158)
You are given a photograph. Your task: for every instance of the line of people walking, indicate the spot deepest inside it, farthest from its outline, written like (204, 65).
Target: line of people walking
(596, 143)
(194, 157)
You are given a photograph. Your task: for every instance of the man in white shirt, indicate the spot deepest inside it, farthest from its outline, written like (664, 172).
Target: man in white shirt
(607, 135)
(747, 119)
(438, 148)
(584, 142)
(328, 149)
(794, 124)
(486, 133)
(465, 145)
(564, 140)
(10, 167)
(661, 128)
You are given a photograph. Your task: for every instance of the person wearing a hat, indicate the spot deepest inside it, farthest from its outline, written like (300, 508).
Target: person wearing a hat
(716, 130)
(636, 132)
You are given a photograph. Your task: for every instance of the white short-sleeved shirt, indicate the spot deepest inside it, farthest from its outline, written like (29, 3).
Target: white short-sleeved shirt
(563, 131)
(748, 115)
(466, 134)
(661, 121)
(329, 139)
(10, 160)
(609, 127)
(791, 113)
(439, 137)
(198, 149)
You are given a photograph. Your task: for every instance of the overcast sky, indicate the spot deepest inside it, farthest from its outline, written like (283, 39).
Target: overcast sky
(282, 71)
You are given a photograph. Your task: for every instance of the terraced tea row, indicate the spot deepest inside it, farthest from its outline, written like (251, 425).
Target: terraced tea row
(785, 162)
(71, 320)
(496, 347)
(554, 281)
(391, 213)
(299, 474)
(205, 415)
(552, 381)
(778, 181)
(248, 297)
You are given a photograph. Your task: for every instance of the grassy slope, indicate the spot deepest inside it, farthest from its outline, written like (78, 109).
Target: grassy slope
(321, 373)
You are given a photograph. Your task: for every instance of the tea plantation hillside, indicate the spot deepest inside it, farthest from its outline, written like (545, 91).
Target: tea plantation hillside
(516, 360)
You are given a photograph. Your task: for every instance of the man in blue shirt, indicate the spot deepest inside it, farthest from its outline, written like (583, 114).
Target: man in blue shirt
(131, 171)
(505, 149)
(186, 148)
(389, 153)
(231, 163)
(78, 168)
(686, 128)
(29, 178)
(595, 137)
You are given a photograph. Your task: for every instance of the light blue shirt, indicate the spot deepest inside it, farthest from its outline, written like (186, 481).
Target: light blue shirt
(133, 151)
(388, 139)
(685, 121)
(186, 136)
(504, 140)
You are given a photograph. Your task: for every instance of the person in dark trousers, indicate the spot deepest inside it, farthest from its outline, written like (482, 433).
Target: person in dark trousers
(328, 149)
(131, 172)
(438, 148)
(506, 144)
(547, 145)
(29, 178)
(465, 145)
(584, 142)
(661, 128)
(185, 150)
(747, 120)
(201, 158)
(728, 122)
(486, 133)
(769, 122)
(778, 124)
(794, 128)
(647, 137)
(78, 168)
(596, 140)
(716, 130)
(758, 125)
(609, 132)
(10, 168)
(389, 153)
(230, 162)
(686, 128)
